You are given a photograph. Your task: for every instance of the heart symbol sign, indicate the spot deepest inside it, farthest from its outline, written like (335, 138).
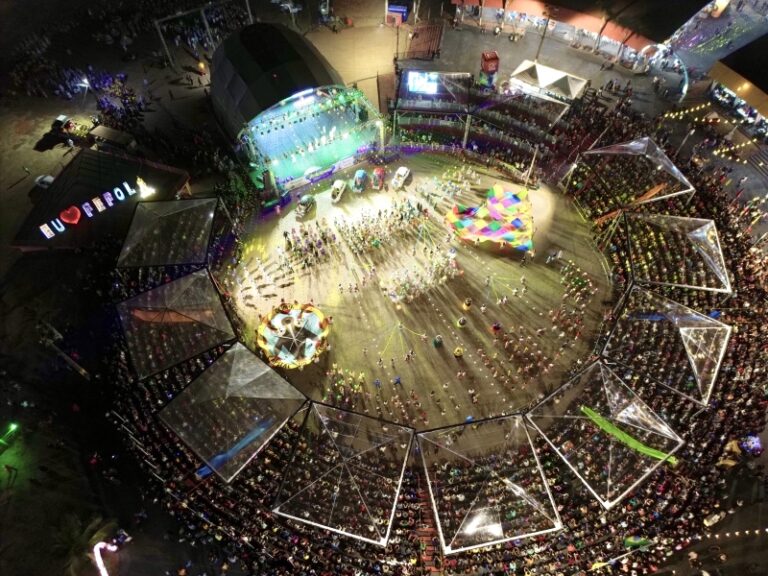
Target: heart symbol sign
(71, 215)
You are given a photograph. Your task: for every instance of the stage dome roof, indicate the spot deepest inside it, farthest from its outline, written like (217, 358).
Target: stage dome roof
(261, 65)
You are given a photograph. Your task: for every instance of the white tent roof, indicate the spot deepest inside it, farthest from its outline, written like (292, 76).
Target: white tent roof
(549, 79)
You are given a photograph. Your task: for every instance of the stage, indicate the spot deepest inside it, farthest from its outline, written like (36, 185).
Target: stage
(388, 300)
(311, 131)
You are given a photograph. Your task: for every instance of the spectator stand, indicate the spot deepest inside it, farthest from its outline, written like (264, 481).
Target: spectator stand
(676, 251)
(486, 484)
(345, 473)
(435, 94)
(230, 411)
(169, 239)
(689, 346)
(448, 103)
(174, 322)
(608, 181)
(609, 438)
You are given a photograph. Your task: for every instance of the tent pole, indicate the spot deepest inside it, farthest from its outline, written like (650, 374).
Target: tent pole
(466, 131)
(207, 28)
(165, 46)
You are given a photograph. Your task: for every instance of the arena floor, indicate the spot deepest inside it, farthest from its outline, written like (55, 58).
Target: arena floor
(371, 333)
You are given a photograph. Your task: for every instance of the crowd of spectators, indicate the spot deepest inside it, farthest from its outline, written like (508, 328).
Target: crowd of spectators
(485, 480)
(668, 509)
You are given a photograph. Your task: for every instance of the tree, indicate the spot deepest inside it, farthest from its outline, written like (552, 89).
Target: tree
(610, 14)
(73, 540)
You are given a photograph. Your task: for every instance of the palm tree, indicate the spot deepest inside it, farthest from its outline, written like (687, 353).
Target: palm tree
(610, 14)
(73, 540)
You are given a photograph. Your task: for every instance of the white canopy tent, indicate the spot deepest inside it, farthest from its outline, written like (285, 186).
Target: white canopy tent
(548, 80)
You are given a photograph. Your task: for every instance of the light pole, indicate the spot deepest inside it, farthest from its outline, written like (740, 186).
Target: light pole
(85, 84)
(380, 125)
(548, 14)
(688, 135)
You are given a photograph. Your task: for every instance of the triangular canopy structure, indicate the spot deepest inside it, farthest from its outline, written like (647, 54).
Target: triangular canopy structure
(647, 148)
(687, 349)
(173, 322)
(607, 181)
(605, 433)
(677, 251)
(346, 473)
(486, 484)
(548, 79)
(169, 233)
(229, 412)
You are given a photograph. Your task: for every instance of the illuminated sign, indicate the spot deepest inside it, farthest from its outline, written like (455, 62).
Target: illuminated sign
(98, 547)
(422, 82)
(145, 190)
(72, 215)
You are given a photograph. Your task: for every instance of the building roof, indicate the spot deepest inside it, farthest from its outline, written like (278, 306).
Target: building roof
(631, 21)
(118, 137)
(259, 66)
(81, 187)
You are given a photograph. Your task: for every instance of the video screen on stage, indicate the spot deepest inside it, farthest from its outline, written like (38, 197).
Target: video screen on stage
(422, 82)
(439, 91)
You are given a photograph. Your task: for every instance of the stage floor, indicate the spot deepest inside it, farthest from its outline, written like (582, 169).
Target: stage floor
(372, 333)
(294, 165)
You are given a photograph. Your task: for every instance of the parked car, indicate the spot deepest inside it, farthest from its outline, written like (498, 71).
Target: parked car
(377, 182)
(44, 181)
(337, 190)
(713, 519)
(305, 206)
(361, 178)
(62, 123)
(401, 176)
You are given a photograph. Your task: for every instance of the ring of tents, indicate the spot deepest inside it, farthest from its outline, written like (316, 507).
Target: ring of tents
(363, 459)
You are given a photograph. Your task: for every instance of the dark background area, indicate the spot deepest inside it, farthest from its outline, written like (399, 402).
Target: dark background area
(750, 62)
(654, 19)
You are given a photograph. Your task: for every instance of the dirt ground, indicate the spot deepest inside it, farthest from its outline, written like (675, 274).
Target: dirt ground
(369, 324)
